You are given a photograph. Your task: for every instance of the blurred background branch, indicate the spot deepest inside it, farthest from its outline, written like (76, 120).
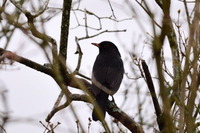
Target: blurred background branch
(165, 34)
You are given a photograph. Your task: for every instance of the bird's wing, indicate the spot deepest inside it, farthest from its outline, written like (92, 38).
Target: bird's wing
(98, 76)
(114, 75)
(108, 74)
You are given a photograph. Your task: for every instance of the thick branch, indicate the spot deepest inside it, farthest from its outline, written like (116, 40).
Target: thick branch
(194, 44)
(65, 28)
(14, 57)
(158, 44)
(121, 116)
(153, 95)
(5, 54)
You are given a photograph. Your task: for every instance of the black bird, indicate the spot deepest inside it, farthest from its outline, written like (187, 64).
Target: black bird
(107, 75)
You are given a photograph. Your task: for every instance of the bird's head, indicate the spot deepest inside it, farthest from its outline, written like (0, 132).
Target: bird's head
(106, 47)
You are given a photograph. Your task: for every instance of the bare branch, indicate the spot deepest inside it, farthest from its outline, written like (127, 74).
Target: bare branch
(73, 97)
(100, 19)
(153, 95)
(186, 11)
(121, 116)
(14, 57)
(23, 10)
(65, 29)
(113, 14)
(105, 31)
(80, 53)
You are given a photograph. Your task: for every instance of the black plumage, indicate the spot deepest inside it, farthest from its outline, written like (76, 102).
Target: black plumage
(107, 75)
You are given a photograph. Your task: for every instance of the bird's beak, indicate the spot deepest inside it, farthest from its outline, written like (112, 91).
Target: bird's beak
(95, 44)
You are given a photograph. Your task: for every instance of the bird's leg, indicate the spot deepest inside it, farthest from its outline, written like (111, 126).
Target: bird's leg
(113, 100)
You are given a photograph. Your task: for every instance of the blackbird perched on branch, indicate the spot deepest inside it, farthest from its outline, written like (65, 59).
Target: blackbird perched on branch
(107, 75)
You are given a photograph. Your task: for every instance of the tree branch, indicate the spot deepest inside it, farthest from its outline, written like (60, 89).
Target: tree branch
(65, 29)
(78, 83)
(105, 31)
(14, 57)
(153, 95)
(121, 116)
(73, 97)
(60, 62)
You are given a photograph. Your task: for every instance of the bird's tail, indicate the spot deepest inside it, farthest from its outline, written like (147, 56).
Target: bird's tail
(102, 101)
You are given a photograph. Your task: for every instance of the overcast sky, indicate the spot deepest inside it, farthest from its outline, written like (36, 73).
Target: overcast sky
(31, 94)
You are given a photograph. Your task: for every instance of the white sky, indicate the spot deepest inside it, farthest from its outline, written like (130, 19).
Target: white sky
(32, 94)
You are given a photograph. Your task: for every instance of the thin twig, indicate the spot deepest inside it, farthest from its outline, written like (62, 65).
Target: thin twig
(4, 3)
(187, 12)
(60, 96)
(80, 53)
(86, 25)
(97, 17)
(113, 14)
(105, 31)
(73, 97)
(147, 10)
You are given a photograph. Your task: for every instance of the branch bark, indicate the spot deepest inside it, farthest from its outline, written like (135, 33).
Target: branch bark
(65, 29)
(158, 43)
(153, 95)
